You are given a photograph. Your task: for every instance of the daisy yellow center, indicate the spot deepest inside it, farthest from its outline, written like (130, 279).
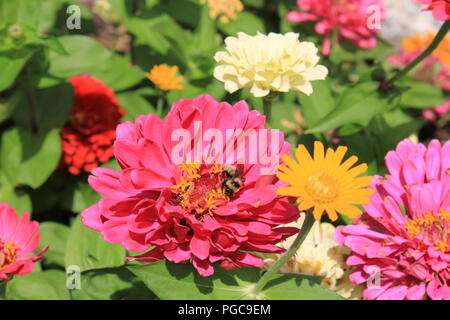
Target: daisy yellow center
(8, 252)
(198, 191)
(431, 228)
(322, 188)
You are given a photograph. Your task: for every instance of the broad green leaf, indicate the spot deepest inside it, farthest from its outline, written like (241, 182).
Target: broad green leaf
(111, 284)
(171, 281)
(134, 105)
(12, 65)
(86, 55)
(245, 22)
(205, 35)
(358, 104)
(53, 107)
(44, 285)
(29, 159)
(316, 106)
(122, 75)
(16, 198)
(55, 236)
(8, 105)
(147, 35)
(87, 250)
(297, 287)
(79, 197)
(422, 95)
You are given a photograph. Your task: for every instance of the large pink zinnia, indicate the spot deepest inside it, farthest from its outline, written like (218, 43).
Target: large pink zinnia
(19, 237)
(402, 240)
(440, 8)
(177, 210)
(351, 19)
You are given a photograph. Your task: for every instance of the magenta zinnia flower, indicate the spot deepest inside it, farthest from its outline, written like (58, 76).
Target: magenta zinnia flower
(350, 18)
(400, 245)
(440, 8)
(19, 237)
(180, 211)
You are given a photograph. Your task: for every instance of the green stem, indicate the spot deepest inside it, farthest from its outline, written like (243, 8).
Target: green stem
(267, 106)
(434, 44)
(160, 106)
(306, 227)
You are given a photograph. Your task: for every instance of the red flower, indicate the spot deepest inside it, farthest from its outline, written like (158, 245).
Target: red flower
(88, 137)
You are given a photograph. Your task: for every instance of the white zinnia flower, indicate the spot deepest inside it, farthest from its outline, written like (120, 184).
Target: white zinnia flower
(320, 255)
(265, 63)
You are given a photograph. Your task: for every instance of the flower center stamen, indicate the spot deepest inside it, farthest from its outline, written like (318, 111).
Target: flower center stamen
(322, 188)
(199, 190)
(7, 254)
(431, 228)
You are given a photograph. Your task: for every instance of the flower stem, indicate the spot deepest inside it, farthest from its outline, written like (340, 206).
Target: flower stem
(306, 227)
(434, 44)
(160, 106)
(267, 106)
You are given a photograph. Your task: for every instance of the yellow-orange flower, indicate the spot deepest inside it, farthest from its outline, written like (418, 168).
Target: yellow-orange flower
(164, 77)
(324, 182)
(226, 10)
(419, 42)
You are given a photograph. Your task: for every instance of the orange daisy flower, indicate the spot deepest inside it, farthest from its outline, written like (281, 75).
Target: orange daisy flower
(163, 76)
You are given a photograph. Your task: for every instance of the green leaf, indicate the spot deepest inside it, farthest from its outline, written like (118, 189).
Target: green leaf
(111, 284)
(205, 35)
(170, 281)
(87, 250)
(29, 159)
(92, 57)
(297, 287)
(79, 197)
(53, 107)
(11, 65)
(8, 105)
(146, 34)
(44, 285)
(358, 104)
(316, 106)
(16, 198)
(422, 95)
(134, 104)
(122, 75)
(54, 235)
(54, 44)
(245, 22)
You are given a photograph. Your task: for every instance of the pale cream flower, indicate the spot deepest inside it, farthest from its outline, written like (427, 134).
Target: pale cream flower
(226, 10)
(320, 255)
(268, 63)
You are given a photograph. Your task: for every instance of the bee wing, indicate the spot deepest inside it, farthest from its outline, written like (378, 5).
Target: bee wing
(240, 171)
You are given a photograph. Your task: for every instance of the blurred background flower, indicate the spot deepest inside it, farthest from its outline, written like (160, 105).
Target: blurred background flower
(319, 255)
(268, 63)
(344, 19)
(225, 10)
(88, 136)
(164, 77)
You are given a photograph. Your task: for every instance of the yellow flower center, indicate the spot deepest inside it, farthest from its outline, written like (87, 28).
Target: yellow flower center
(7, 254)
(431, 228)
(199, 190)
(322, 188)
